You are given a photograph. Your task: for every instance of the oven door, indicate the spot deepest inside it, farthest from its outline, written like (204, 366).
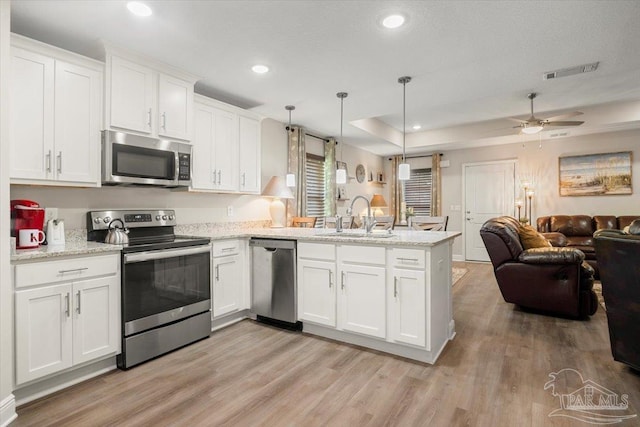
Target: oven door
(162, 286)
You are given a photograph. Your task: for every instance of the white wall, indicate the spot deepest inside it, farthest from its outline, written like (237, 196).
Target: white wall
(7, 402)
(73, 203)
(542, 166)
(354, 156)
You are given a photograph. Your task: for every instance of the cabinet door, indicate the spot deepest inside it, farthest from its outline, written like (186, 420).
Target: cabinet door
(202, 158)
(31, 124)
(249, 141)
(77, 123)
(132, 96)
(408, 307)
(43, 331)
(175, 107)
(226, 150)
(227, 285)
(317, 292)
(96, 313)
(363, 300)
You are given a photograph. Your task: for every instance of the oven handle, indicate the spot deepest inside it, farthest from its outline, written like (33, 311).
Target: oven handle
(163, 254)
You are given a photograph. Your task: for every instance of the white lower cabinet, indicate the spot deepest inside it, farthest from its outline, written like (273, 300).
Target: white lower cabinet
(408, 307)
(69, 319)
(363, 299)
(229, 280)
(317, 291)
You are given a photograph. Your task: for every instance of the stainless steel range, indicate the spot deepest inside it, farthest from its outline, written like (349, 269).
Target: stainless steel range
(166, 294)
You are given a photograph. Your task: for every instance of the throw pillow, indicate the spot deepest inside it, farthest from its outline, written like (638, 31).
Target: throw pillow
(530, 238)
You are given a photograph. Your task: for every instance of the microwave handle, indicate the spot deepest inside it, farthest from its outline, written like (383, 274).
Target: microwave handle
(163, 254)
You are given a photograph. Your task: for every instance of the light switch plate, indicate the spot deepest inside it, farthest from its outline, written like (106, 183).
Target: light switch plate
(229, 210)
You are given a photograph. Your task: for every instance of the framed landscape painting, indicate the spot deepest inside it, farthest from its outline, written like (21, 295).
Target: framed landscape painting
(595, 174)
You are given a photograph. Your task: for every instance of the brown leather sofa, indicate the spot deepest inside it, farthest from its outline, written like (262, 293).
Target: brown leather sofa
(618, 257)
(551, 279)
(576, 231)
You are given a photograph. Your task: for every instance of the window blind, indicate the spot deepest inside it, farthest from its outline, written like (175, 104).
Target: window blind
(315, 188)
(417, 191)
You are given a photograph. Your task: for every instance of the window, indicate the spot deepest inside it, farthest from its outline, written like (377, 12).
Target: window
(315, 188)
(417, 191)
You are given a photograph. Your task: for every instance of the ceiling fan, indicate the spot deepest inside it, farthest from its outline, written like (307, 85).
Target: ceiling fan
(534, 125)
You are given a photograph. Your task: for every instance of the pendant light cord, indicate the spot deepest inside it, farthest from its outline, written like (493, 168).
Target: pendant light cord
(342, 96)
(404, 118)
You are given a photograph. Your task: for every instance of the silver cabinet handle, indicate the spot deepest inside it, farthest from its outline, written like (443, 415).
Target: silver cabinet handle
(49, 161)
(330, 279)
(74, 270)
(342, 280)
(395, 287)
(164, 120)
(244, 178)
(78, 307)
(227, 249)
(214, 176)
(66, 300)
(149, 118)
(408, 259)
(219, 176)
(217, 273)
(59, 156)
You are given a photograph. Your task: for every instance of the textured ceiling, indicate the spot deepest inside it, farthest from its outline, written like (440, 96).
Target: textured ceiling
(472, 63)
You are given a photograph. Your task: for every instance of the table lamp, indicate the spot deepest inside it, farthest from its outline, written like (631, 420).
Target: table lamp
(377, 201)
(277, 188)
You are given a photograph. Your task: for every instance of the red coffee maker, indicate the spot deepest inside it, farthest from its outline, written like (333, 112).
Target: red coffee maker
(25, 214)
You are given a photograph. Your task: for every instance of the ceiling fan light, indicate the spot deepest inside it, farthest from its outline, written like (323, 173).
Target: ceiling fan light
(404, 171)
(341, 176)
(531, 130)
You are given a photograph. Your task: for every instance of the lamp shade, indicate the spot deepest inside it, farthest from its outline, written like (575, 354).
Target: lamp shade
(404, 171)
(277, 187)
(378, 201)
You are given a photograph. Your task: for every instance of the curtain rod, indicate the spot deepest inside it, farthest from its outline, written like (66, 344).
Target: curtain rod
(420, 156)
(316, 137)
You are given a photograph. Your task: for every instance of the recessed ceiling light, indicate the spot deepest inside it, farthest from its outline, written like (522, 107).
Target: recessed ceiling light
(393, 21)
(139, 9)
(417, 127)
(260, 69)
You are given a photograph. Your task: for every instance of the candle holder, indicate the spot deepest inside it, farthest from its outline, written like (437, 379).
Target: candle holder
(519, 206)
(530, 194)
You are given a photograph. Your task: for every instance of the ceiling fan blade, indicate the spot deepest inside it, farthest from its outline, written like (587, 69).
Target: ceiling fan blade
(563, 116)
(563, 123)
(517, 120)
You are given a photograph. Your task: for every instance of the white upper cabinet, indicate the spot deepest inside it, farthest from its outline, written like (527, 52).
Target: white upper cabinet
(226, 148)
(56, 110)
(148, 97)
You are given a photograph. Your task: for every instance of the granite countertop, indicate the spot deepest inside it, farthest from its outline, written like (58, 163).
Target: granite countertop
(76, 243)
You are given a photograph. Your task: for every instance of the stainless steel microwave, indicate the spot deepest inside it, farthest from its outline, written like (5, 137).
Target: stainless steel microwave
(140, 160)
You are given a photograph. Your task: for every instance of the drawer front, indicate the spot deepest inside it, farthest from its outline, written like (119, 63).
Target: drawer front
(401, 257)
(362, 254)
(226, 247)
(65, 270)
(322, 251)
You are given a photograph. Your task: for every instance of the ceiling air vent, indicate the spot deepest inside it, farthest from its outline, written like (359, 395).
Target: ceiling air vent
(586, 68)
(558, 134)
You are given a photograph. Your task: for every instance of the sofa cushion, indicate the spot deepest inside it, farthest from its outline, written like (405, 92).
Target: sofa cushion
(556, 239)
(623, 221)
(580, 240)
(530, 238)
(574, 225)
(605, 222)
(551, 256)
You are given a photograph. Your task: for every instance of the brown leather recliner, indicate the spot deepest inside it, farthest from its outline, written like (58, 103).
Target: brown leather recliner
(618, 257)
(550, 279)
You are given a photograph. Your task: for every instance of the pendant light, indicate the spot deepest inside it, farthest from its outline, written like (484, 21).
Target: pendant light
(404, 171)
(341, 173)
(291, 178)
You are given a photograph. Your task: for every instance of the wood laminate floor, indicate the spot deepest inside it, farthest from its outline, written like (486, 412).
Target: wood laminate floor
(492, 374)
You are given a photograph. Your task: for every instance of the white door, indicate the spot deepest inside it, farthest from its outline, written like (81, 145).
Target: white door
(249, 141)
(489, 193)
(43, 331)
(362, 300)
(226, 150)
(227, 285)
(175, 107)
(132, 96)
(77, 123)
(31, 124)
(317, 292)
(202, 158)
(96, 314)
(408, 306)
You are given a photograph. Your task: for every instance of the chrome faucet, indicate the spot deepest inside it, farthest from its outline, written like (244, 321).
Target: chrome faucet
(369, 221)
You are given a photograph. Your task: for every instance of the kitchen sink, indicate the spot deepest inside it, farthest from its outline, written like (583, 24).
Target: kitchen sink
(375, 234)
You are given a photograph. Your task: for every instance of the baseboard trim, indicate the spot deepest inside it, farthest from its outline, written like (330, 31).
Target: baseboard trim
(228, 319)
(8, 410)
(457, 258)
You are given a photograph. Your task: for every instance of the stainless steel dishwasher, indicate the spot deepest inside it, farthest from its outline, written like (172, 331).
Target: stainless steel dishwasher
(273, 282)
